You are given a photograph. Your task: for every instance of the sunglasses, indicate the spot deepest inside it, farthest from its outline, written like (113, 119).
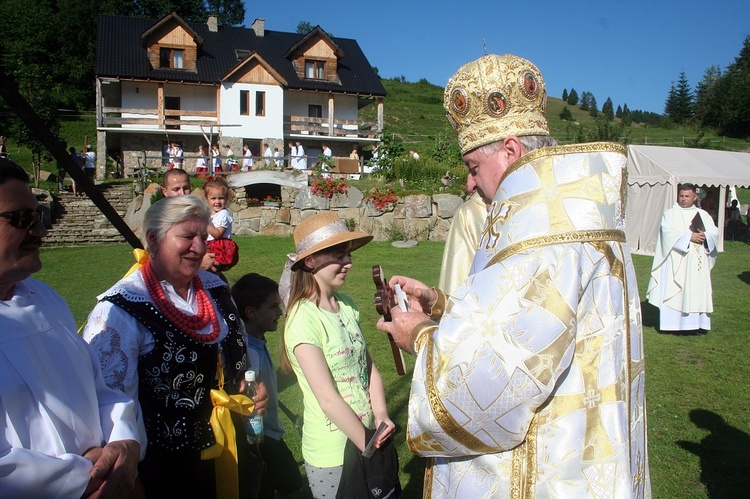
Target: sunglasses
(23, 219)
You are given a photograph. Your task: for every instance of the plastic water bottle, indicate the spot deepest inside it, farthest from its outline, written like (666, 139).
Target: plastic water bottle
(253, 422)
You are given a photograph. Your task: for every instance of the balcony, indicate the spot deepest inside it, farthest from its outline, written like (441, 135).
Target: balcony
(172, 119)
(304, 125)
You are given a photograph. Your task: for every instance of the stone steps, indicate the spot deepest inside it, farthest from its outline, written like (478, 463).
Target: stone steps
(77, 221)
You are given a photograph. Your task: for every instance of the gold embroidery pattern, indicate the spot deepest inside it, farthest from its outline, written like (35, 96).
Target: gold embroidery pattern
(592, 147)
(497, 215)
(495, 97)
(523, 465)
(615, 264)
(427, 485)
(552, 194)
(569, 237)
(443, 417)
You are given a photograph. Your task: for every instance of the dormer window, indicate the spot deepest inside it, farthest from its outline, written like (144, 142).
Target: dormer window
(171, 58)
(315, 69)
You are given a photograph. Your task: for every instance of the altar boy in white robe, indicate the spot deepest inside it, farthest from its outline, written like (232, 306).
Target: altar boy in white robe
(680, 283)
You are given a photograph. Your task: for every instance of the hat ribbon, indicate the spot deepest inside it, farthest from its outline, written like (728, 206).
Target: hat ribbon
(307, 242)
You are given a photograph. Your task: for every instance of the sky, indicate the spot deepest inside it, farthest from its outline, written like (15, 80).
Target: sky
(628, 50)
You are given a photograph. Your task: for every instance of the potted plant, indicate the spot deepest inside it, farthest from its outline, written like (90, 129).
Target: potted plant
(272, 201)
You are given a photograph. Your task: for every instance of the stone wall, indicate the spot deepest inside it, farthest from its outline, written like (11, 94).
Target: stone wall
(419, 217)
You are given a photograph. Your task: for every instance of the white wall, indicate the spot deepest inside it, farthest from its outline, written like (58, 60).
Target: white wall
(144, 96)
(344, 106)
(270, 126)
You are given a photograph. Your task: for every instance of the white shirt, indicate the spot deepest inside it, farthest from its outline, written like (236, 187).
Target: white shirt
(90, 158)
(222, 219)
(55, 404)
(121, 339)
(248, 161)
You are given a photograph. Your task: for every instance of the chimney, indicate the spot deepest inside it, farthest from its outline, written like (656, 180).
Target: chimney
(213, 23)
(259, 26)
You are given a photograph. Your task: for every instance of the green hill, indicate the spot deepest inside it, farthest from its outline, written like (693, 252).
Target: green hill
(414, 112)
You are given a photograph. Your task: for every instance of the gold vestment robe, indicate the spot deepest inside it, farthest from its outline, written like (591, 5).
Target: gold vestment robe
(532, 385)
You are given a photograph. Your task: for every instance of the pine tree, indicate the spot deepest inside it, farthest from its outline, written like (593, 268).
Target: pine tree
(565, 94)
(670, 106)
(608, 109)
(585, 101)
(565, 114)
(573, 97)
(707, 99)
(685, 99)
(627, 117)
(593, 110)
(680, 101)
(618, 113)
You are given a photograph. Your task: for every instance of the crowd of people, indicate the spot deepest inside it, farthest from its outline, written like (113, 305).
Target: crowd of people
(529, 369)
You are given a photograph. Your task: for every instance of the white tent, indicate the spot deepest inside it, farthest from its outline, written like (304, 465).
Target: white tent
(654, 172)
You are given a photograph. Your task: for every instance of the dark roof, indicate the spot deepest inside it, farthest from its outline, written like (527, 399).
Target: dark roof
(120, 54)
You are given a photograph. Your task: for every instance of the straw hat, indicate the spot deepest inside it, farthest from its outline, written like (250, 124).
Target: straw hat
(322, 231)
(495, 97)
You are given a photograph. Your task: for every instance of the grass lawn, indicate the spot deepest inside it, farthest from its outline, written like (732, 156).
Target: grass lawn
(697, 391)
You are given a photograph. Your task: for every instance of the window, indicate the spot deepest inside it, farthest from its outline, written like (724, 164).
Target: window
(260, 103)
(171, 58)
(241, 54)
(315, 69)
(314, 111)
(244, 102)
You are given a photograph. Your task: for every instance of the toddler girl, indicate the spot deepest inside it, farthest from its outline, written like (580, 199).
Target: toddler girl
(226, 253)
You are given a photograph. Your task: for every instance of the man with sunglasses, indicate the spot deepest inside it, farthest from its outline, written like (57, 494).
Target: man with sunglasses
(64, 432)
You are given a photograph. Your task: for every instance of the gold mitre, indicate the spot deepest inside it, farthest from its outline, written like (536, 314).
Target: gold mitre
(495, 97)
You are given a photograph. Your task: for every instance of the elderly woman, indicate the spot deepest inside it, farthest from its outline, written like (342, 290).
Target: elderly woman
(167, 334)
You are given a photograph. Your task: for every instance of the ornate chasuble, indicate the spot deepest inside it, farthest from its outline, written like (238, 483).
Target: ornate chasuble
(176, 377)
(533, 384)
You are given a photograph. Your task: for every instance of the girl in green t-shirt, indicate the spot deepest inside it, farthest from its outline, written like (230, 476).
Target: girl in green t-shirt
(324, 346)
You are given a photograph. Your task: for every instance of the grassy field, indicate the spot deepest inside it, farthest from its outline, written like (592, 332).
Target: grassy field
(414, 111)
(697, 391)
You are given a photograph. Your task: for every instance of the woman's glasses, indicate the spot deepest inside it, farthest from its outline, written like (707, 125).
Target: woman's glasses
(23, 219)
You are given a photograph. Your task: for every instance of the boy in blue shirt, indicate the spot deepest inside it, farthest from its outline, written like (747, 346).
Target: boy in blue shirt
(258, 301)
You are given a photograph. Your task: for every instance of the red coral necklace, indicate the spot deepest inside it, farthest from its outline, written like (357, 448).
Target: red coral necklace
(188, 324)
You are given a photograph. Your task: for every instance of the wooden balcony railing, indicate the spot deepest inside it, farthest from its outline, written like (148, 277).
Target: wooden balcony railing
(173, 118)
(320, 126)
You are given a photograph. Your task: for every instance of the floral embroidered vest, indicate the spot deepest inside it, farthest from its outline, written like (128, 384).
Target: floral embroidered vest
(176, 377)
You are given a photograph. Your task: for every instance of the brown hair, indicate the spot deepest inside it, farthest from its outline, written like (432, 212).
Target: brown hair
(303, 286)
(217, 183)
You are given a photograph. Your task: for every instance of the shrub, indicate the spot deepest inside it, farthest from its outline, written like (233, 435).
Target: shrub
(327, 187)
(381, 199)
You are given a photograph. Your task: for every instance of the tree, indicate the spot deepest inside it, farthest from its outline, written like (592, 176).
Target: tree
(724, 100)
(565, 114)
(25, 58)
(627, 117)
(304, 27)
(607, 110)
(228, 12)
(707, 100)
(573, 97)
(618, 113)
(565, 94)
(585, 101)
(680, 103)
(593, 110)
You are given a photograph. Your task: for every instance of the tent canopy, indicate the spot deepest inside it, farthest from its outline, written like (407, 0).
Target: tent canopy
(654, 173)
